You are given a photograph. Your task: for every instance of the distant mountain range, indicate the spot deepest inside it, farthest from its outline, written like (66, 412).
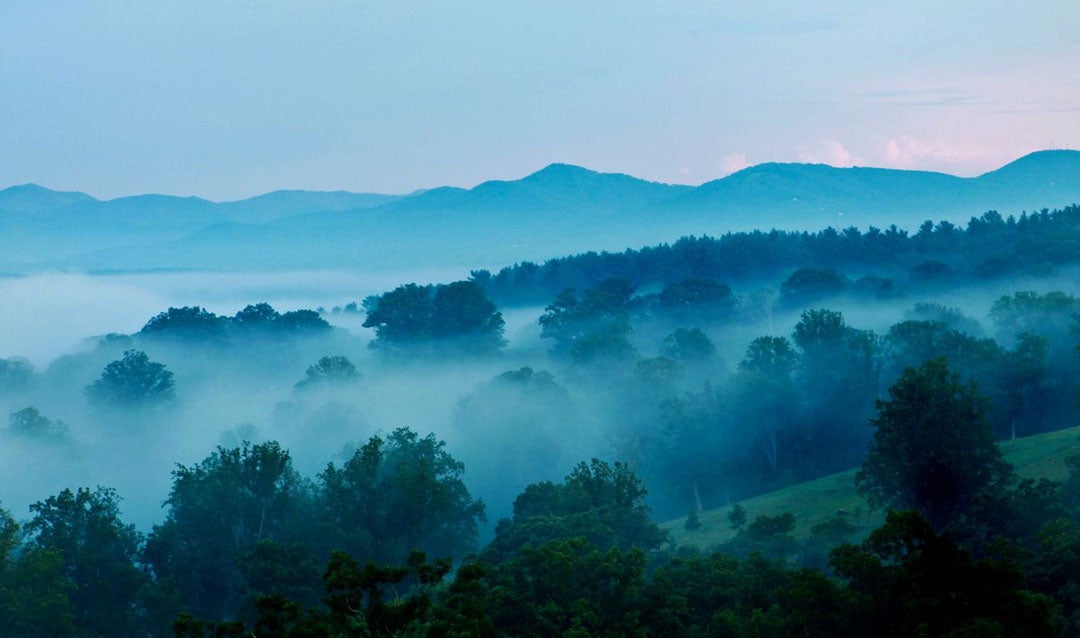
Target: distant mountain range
(558, 210)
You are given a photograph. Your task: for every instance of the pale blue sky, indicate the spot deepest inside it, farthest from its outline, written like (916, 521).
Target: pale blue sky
(231, 99)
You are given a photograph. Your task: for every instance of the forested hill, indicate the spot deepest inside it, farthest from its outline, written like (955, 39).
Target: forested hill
(558, 210)
(875, 261)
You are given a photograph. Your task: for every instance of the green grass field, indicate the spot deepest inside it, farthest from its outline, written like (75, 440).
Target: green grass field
(817, 501)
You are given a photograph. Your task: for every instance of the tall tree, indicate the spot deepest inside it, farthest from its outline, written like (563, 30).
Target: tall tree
(837, 380)
(98, 553)
(933, 450)
(398, 494)
(219, 510)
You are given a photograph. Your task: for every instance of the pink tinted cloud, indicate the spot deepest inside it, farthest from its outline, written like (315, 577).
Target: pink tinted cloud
(829, 152)
(733, 163)
(910, 153)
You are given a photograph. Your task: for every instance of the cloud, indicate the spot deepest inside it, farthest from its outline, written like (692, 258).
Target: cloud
(828, 152)
(733, 162)
(909, 152)
(933, 96)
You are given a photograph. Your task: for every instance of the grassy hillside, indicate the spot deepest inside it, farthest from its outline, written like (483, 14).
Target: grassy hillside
(817, 501)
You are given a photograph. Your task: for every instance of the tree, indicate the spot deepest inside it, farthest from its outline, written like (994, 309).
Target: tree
(256, 315)
(397, 495)
(807, 285)
(764, 395)
(916, 582)
(188, 322)
(461, 310)
(596, 325)
(132, 380)
(837, 380)
(694, 456)
(98, 555)
(402, 315)
(329, 371)
(930, 272)
(219, 511)
(35, 592)
(15, 373)
(567, 587)
(30, 423)
(933, 450)
(698, 298)
(513, 431)
(688, 345)
(458, 316)
(301, 322)
(601, 502)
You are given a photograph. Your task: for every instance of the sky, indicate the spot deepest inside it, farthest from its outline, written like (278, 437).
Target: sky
(228, 100)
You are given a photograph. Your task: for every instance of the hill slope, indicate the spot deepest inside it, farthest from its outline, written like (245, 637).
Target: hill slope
(817, 501)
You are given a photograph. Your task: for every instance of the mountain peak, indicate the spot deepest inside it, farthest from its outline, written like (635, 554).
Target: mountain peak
(1053, 166)
(559, 171)
(34, 198)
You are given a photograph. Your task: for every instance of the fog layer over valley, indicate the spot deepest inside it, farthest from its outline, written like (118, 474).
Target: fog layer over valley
(515, 415)
(214, 450)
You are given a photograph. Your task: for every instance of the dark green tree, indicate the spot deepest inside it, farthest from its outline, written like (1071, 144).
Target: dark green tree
(933, 450)
(601, 502)
(837, 382)
(913, 581)
(764, 399)
(453, 317)
(462, 311)
(567, 587)
(402, 315)
(98, 554)
(219, 511)
(397, 495)
(35, 590)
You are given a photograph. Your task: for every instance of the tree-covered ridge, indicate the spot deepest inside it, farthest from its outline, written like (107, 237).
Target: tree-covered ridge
(988, 246)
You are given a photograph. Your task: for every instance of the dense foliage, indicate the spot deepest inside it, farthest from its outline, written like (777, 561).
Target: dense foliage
(455, 317)
(989, 246)
(933, 450)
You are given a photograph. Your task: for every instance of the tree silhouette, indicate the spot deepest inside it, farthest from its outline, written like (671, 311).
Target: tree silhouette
(933, 450)
(132, 380)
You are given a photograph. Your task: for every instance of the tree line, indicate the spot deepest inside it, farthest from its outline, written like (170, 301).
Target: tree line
(384, 544)
(988, 247)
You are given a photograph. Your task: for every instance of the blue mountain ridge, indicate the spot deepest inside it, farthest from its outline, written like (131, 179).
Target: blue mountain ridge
(559, 209)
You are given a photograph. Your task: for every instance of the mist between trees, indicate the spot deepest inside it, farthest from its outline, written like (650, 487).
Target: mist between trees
(707, 391)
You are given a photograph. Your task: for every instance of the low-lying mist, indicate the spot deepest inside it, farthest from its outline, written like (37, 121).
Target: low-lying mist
(513, 418)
